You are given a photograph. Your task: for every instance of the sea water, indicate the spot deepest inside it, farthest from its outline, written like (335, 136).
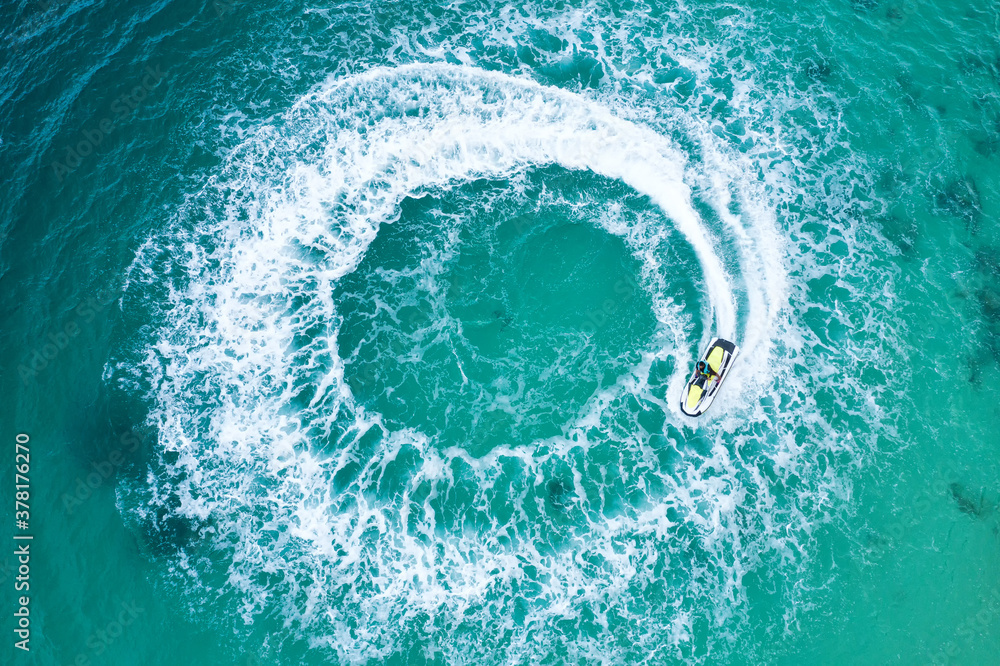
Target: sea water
(355, 332)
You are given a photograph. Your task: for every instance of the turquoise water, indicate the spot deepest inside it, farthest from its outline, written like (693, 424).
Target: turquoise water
(354, 333)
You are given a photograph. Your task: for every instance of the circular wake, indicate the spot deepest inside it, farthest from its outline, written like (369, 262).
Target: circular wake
(367, 531)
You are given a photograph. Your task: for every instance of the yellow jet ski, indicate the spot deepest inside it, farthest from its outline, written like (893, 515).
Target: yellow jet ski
(701, 389)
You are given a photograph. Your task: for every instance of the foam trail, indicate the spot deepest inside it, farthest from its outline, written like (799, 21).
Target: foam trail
(253, 329)
(528, 124)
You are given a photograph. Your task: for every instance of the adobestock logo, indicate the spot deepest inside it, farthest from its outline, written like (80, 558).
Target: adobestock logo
(124, 615)
(50, 346)
(122, 108)
(224, 7)
(104, 470)
(46, 5)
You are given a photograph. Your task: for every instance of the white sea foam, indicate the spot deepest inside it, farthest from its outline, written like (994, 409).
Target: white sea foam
(360, 531)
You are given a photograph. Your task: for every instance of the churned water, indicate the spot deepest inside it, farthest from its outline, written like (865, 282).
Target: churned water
(355, 332)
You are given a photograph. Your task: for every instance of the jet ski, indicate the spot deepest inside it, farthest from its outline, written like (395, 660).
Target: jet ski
(701, 389)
